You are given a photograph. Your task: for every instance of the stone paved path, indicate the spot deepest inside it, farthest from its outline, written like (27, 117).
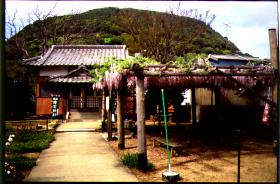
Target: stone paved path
(79, 156)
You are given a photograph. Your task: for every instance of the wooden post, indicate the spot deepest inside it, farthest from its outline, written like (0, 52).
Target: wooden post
(193, 106)
(134, 118)
(109, 117)
(103, 118)
(120, 123)
(47, 124)
(275, 92)
(141, 134)
(275, 65)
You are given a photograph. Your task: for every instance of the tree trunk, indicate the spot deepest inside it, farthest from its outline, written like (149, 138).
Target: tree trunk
(103, 118)
(109, 117)
(141, 134)
(121, 143)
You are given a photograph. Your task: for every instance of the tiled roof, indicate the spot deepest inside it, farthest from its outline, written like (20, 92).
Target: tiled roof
(79, 75)
(59, 55)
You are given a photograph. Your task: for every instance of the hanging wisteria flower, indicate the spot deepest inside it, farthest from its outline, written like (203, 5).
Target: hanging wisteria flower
(10, 139)
(8, 172)
(7, 143)
(12, 135)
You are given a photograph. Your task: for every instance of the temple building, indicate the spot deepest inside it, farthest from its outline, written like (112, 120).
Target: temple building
(65, 71)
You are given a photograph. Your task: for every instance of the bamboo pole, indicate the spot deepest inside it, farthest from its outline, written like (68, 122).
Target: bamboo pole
(166, 131)
(141, 134)
(120, 123)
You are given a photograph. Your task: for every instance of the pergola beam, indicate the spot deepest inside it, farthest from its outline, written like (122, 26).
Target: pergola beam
(251, 90)
(188, 74)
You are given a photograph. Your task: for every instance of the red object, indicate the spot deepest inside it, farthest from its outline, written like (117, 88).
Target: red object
(265, 119)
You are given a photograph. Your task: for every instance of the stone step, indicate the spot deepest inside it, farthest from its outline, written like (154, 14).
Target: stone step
(83, 120)
(83, 115)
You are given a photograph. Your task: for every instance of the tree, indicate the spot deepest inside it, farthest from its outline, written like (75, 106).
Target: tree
(162, 36)
(13, 28)
(40, 17)
(69, 26)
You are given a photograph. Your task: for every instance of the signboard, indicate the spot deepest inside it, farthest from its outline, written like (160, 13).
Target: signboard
(55, 105)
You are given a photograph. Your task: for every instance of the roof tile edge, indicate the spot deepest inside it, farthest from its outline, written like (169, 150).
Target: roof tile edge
(88, 46)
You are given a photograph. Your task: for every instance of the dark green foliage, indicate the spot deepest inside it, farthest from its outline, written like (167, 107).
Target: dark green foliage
(21, 162)
(131, 161)
(28, 141)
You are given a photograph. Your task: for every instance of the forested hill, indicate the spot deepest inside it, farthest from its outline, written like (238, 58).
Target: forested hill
(101, 26)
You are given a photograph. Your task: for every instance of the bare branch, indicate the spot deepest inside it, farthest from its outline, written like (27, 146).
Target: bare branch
(164, 35)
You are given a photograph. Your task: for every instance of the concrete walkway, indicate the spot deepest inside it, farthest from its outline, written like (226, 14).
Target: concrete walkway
(85, 126)
(79, 156)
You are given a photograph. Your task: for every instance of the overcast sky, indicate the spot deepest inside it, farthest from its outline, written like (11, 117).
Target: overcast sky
(248, 21)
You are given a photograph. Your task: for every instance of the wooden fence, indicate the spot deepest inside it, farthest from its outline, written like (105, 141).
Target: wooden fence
(29, 124)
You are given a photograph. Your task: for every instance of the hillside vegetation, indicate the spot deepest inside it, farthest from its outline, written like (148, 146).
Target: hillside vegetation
(100, 26)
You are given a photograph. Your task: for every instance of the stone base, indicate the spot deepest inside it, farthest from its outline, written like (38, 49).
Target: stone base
(170, 176)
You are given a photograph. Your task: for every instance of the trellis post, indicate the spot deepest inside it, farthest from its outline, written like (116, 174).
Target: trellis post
(141, 133)
(120, 123)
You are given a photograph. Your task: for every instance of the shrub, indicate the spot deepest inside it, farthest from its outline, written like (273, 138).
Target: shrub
(28, 141)
(21, 162)
(131, 161)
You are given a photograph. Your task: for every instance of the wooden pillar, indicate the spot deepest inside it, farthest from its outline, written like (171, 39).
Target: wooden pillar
(37, 88)
(193, 106)
(141, 134)
(217, 102)
(275, 93)
(82, 96)
(103, 111)
(275, 65)
(109, 117)
(120, 123)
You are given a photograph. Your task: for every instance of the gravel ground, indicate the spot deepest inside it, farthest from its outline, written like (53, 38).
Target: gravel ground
(209, 162)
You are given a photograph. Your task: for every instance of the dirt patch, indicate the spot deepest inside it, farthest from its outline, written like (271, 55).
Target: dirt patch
(208, 162)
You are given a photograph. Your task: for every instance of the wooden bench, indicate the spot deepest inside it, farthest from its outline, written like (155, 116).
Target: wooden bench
(175, 148)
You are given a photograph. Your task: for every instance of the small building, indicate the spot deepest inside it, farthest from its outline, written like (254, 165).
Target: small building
(65, 71)
(232, 60)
